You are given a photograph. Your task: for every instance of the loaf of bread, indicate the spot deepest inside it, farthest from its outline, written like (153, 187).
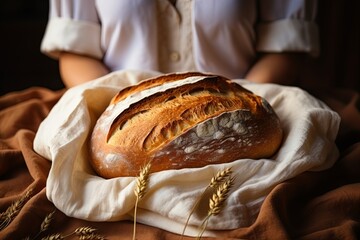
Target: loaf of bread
(182, 120)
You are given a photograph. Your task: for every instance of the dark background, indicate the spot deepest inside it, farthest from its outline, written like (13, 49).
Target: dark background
(22, 25)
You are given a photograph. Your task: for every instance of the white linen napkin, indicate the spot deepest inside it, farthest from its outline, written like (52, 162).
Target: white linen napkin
(310, 129)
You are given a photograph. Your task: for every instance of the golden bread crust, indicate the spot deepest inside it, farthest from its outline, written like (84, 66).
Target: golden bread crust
(208, 121)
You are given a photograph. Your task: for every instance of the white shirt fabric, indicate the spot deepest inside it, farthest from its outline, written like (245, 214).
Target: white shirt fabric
(216, 36)
(76, 190)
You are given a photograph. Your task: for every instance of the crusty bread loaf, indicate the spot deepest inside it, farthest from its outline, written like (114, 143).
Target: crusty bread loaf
(182, 120)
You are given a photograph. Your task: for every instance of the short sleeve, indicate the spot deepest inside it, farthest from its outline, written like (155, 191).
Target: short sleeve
(73, 26)
(287, 26)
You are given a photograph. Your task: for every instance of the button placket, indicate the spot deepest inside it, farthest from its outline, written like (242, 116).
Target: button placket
(174, 56)
(175, 42)
(174, 51)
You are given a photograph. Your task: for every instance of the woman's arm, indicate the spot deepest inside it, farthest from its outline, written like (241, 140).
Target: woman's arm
(76, 69)
(281, 68)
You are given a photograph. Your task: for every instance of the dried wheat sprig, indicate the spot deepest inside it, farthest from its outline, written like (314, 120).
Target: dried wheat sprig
(84, 233)
(45, 224)
(217, 201)
(47, 221)
(56, 236)
(11, 212)
(81, 231)
(140, 190)
(88, 233)
(142, 181)
(219, 178)
(91, 236)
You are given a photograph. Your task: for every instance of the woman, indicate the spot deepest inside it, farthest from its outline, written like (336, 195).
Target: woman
(262, 41)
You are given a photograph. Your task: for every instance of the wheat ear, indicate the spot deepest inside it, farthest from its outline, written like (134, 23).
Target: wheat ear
(91, 236)
(220, 177)
(56, 236)
(12, 211)
(45, 224)
(217, 201)
(141, 187)
(84, 233)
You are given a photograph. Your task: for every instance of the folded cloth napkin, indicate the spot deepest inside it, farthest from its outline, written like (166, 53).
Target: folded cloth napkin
(310, 128)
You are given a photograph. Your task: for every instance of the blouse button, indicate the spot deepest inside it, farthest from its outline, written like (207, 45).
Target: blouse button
(174, 56)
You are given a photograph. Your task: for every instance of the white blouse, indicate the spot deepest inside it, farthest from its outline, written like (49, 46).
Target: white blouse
(219, 36)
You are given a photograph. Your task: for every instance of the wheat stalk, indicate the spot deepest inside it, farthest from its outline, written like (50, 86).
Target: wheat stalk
(56, 236)
(11, 212)
(216, 202)
(218, 199)
(87, 233)
(46, 223)
(91, 236)
(140, 190)
(219, 178)
(84, 233)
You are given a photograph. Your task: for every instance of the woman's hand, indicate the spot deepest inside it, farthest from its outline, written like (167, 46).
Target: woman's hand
(76, 69)
(281, 68)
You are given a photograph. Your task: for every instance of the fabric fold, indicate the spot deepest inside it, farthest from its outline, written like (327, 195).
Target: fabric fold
(72, 186)
(62, 34)
(288, 35)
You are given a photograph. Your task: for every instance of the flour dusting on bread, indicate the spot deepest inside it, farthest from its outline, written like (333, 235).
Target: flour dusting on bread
(182, 121)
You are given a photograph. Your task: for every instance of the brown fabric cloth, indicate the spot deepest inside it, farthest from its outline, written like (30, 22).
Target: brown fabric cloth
(313, 205)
